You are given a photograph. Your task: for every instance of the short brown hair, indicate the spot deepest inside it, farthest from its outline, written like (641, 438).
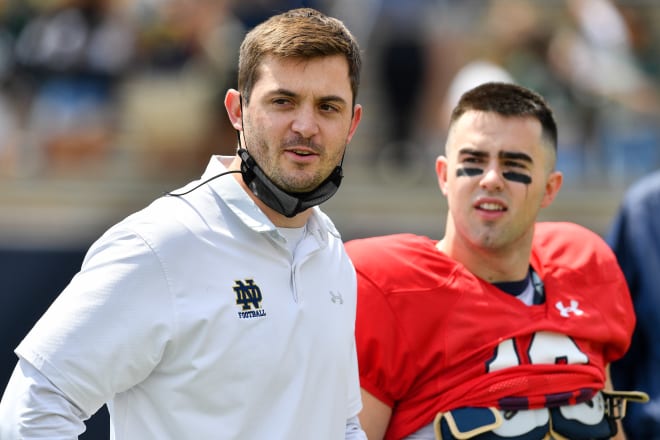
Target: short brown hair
(509, 100)
(299, 33)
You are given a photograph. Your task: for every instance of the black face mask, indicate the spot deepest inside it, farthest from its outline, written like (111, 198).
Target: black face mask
(285, 202)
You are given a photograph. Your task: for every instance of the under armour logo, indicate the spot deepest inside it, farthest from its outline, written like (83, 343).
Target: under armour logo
(336, 299)
(566, 311)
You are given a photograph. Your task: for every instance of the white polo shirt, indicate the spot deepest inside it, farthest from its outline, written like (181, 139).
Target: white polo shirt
(192, 320)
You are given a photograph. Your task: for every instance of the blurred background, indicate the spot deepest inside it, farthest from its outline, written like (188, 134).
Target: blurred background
(107, 104)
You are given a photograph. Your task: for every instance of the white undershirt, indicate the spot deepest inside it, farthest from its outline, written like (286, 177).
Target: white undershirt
(527, 295)
(292, 236)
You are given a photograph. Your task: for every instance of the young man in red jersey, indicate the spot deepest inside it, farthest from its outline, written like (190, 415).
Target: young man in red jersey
(503, 329)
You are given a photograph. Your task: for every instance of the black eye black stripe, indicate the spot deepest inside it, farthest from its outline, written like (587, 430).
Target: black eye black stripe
(508, 175)
(468, 172)
(517, 177)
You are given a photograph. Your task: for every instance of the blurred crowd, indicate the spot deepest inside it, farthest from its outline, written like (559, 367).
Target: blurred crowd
(134, 88)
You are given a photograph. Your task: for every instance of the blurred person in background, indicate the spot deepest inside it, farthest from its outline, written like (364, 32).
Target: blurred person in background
(253, 12)
(592, 52)
(73, 54)
(635, 239)
(225, 309)
(401, 42)
(173, 114)
(10, 135)
(499, 330)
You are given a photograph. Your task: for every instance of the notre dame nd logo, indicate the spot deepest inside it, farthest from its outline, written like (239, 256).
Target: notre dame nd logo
(248, 296)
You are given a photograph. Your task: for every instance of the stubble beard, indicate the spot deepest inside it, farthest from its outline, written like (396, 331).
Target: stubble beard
(296, 178)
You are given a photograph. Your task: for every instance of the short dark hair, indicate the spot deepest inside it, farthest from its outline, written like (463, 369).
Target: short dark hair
(299, 33)
(508, 100)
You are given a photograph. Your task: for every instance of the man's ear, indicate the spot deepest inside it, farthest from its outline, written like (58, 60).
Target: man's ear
(441, 173)
(355, 121)
(552, 188)
(234, 108)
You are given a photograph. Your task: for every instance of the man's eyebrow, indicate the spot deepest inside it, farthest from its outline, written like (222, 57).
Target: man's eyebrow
(335, 98)
(284, 92)
(515, 156)
(472, 152)
(506, 155)
(291, 94)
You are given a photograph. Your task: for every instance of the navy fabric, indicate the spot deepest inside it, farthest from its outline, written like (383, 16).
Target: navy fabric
(468, 419)
(537, 433)
(635, 238)
(575, 430)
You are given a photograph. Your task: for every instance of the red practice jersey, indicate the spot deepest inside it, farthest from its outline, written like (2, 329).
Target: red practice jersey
(433, 337)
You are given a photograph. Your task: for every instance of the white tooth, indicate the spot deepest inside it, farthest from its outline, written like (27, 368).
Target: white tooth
(490, 206)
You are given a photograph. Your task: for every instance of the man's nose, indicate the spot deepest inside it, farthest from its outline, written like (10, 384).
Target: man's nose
(492, 179)
(305, 122)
